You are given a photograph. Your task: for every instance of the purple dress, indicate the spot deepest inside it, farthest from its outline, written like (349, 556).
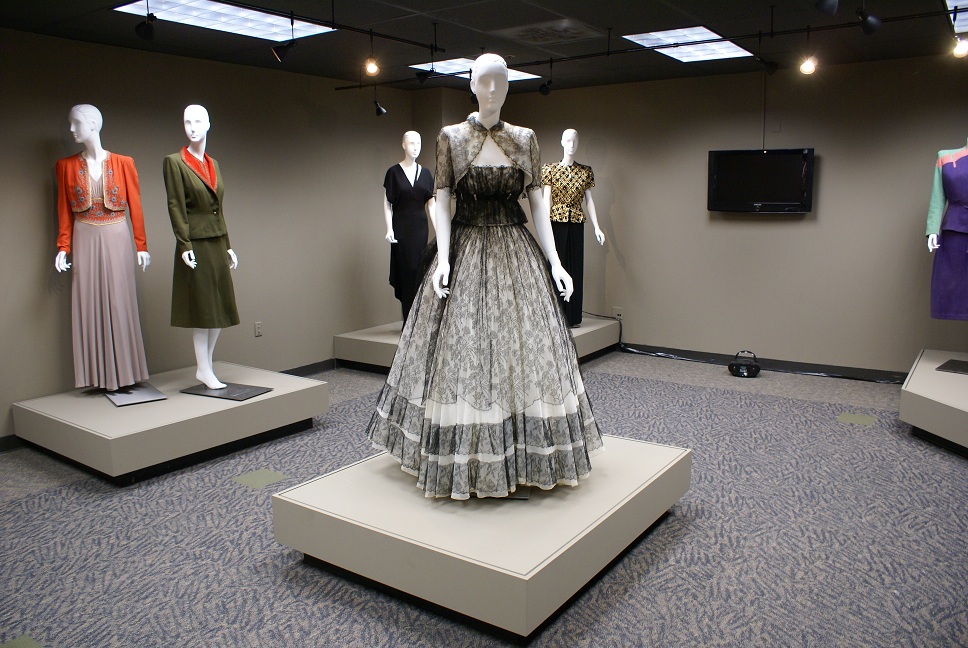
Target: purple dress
(949, 278)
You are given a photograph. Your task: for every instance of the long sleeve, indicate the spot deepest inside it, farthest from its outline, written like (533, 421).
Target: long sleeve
(937, 203)
(177, 210)
(133, 190)
(65, 217)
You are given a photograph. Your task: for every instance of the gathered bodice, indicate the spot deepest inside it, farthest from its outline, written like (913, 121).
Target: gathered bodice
(488, 195)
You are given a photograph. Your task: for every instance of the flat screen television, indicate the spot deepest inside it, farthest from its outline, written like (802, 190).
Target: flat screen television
(775, 181)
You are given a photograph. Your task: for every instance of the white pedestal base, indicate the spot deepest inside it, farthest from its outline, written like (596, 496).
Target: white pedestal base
(936, 401)
(377, 345)
(84, 426)
(507, 563)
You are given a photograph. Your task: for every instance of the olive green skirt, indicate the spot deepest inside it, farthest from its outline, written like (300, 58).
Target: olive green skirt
(204, 297)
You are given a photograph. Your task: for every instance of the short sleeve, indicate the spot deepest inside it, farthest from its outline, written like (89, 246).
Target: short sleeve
(444, 175)
(546, 175)
(390, 186)
(534, 155)
(591, 179)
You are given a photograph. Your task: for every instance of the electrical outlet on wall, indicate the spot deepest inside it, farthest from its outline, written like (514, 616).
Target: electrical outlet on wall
(258, 329)
(617, 312)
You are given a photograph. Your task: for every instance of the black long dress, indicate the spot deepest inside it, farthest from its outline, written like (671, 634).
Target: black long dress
(410, 228)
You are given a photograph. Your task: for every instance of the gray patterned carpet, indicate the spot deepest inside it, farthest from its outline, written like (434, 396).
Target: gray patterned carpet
(814, 519)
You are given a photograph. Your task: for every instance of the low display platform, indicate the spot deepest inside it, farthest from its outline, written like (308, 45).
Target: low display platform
(506, 563)
(83, 425)
(377, 345)
(936, 401)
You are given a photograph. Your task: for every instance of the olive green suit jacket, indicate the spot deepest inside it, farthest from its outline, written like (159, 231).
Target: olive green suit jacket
(194, 207)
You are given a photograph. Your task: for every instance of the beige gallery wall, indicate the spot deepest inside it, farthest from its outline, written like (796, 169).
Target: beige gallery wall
(303, 166)
(846, 285)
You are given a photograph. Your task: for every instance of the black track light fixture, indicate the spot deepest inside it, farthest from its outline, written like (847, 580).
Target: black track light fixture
(869, 23)
(422, 75)
(545, 88)
(146, 30)
(280, 51)
(828, 7)
(378, 109)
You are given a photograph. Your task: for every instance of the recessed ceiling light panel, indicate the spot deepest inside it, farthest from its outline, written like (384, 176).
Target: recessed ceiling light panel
(223, 17)
(460, 67)
(686, 44)
(961, 23)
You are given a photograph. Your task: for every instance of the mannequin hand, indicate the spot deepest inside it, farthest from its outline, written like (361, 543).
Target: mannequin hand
(933, 242)
(189, 259)
(144, 260)
(600, 236)
(441, 277)
(233, 260)
(390, 237)
(562, 281)
(60, 262)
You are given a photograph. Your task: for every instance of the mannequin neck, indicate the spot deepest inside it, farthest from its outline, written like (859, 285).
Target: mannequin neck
(408, 162)
(93, 152)
(567, 160)
(489, 120)
(197, 149)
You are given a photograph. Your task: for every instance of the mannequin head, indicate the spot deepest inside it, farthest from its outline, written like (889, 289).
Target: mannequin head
(85, 121)
(489, 83)
(196, 123)
(411, 144)
(569, 142)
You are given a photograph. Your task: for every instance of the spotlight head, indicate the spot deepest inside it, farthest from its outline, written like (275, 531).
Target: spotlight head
(370, 67)
(809, 66)
(146, 30)
(961, 49)
(868, 22)
(422, 75)
(545, 88)
(280, 51)
(828, 7)
(378, 109)
(770, 67)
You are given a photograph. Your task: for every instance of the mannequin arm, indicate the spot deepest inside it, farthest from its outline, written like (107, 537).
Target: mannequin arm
(442, 218)
(388, 217)
(144, 260)
(431, 207)
(189, 258)
(541, 215)
(233, 260)
(933, 242)
(937, 202)
(60, 262)
(590, 210)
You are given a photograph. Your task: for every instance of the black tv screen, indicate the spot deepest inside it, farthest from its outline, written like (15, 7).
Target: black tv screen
(776, 181)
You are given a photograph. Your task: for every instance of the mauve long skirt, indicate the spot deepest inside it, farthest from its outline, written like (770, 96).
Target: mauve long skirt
(108, 348)
(949, 277)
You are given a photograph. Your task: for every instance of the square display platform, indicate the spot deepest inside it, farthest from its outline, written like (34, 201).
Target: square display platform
(377, 345)
(507, 563)
(936, 401)
(85, 426)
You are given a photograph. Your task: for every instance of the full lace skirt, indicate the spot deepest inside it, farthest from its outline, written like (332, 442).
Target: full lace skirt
(485, 393)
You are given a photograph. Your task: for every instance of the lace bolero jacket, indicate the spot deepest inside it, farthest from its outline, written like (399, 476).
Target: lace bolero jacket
(459, 144)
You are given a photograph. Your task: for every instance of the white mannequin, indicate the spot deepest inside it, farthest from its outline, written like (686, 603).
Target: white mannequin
(569, 146)
(411, 150)
(489, 83)
(196, 128)
(86, 128)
